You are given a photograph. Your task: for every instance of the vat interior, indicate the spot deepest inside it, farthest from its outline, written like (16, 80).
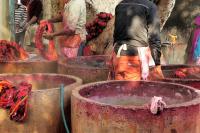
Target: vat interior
(87, 61)
(189, 82)
(137, 93)
(39, 81)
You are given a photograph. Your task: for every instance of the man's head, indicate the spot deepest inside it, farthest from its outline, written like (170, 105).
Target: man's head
(25, 2)
(16, 3)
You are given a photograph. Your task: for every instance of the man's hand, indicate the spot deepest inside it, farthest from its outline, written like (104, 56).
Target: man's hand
(17, 28)
(26, 26)
(48, 36)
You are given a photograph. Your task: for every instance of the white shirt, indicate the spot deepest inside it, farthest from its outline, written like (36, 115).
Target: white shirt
(74, 17)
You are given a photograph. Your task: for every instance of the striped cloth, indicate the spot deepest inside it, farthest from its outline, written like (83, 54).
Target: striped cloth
(20, 18)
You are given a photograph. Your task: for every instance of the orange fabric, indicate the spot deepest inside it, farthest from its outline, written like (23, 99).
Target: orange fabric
(128, 68)
(72, 41)
(156, 73)
(50, 53)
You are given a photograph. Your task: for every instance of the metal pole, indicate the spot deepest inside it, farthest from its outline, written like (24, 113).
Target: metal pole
(12, 19)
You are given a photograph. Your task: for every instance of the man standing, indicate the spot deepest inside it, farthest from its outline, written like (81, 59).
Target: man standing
(34, 14)
(74, 20)
(20, 21)
(137, 28)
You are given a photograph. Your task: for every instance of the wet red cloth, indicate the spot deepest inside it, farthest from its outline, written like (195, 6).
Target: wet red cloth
(48, 52)
(11, 51)
(87, 51)
(15, 99)
(96, 27)
(7, 92)
(186, 72)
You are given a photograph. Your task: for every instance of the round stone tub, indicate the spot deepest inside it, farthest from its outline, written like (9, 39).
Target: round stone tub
(192, 79)
(32, 65)
(88, 68)
(44, 115)
(122, 107)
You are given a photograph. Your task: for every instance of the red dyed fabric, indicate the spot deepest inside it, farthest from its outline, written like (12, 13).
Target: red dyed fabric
(181, 73)
(7, 92)
(15, 99)
(187, 72)
(48, 53)
(98, 25)
(87, 51)
(11, 51)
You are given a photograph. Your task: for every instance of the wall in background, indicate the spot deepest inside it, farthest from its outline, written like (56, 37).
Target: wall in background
(180, 23)
(4, 25)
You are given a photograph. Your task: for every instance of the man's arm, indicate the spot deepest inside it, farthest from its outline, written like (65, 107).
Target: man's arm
(154, 34)
(70, 27)
(32, 21)
(36, 13)
(62, 32)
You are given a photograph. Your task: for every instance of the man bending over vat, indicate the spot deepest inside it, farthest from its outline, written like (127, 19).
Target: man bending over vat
(137, 28)
(34, 8)
(74, 20)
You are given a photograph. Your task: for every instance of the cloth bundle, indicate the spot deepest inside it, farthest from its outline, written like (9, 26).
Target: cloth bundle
(48, 51)
(11, 51)
(98, 25)
(186, 72)
(15, 99)
(157, 105)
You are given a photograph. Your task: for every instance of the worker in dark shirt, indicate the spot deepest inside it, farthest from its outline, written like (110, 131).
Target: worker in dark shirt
(137, 28)
(34, 10)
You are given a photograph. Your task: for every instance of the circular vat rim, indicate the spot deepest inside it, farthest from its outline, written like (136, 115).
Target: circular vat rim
(76, 94)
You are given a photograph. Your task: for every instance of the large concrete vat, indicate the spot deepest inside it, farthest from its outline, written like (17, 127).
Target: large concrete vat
(44, 115)
(88, 68)
(192, 80)
(122, 107)
(32, 65)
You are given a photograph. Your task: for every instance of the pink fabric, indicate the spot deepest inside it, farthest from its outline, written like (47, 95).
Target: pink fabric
(157, 104)
(194, 40)
(197, 20)
(197, 31)
(70, 52)
(146, 61)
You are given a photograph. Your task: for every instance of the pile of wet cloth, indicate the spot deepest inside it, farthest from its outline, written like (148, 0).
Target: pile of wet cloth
(97, 26)
(15, 98)
(11, 51)
(187, 72)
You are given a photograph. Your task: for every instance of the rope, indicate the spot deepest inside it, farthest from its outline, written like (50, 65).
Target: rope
(62, 107)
